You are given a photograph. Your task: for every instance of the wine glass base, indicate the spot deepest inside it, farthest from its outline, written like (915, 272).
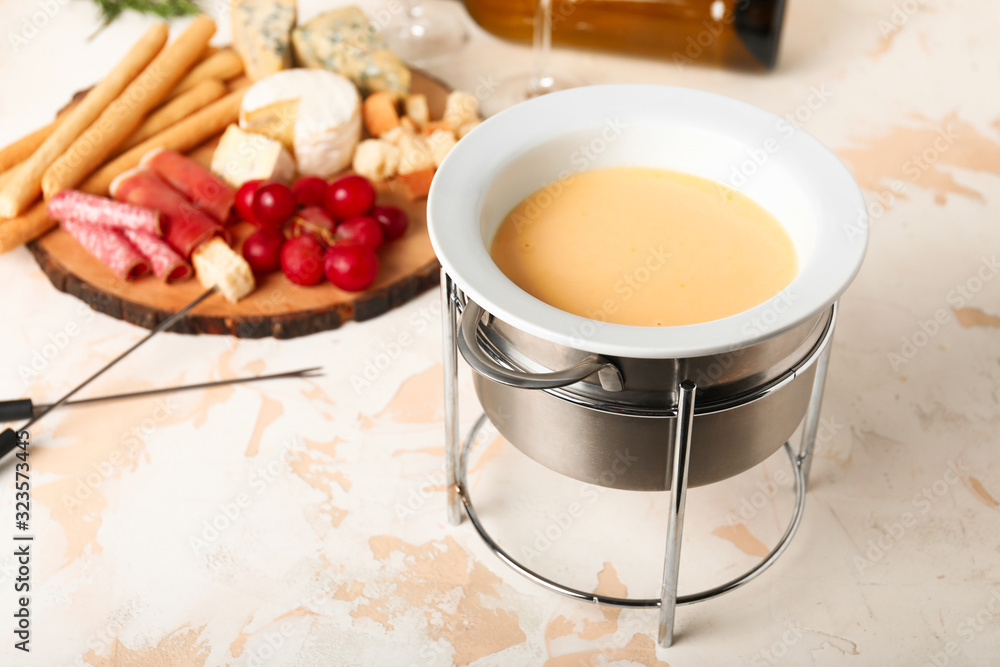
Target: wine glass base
(427, 34)
(517, 89)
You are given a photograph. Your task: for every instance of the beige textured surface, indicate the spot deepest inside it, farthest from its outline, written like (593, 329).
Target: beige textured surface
(331, 546)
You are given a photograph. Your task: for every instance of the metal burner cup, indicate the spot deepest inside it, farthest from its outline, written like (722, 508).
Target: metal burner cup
(602, 420)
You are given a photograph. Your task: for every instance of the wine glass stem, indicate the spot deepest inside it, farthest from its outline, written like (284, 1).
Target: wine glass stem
(541, 75)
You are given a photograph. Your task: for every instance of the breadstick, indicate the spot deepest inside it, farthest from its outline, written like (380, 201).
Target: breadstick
(6, 176)
(21, 150)
(193, 131)
(224, 65)
(177, 109)
(26, 185)
(26, 227)
(125, 114)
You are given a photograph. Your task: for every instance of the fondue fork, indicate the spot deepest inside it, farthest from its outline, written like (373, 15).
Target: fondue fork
(10, 440)
(23, 408)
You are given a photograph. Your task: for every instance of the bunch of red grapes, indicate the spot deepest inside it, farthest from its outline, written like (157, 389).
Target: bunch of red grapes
(314, 229)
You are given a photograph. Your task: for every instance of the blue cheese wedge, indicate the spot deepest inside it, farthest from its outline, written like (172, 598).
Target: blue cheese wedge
(343, 41)
(261, 33)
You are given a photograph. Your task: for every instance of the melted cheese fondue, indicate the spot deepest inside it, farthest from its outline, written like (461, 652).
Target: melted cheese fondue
(646, 247)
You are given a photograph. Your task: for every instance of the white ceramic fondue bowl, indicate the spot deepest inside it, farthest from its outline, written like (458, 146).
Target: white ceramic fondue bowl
(781, 167)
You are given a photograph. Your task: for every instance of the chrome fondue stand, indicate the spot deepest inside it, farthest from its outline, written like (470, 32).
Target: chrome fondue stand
(457, 459)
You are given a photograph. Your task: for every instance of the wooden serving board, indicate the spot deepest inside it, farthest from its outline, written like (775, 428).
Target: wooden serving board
(278, 307)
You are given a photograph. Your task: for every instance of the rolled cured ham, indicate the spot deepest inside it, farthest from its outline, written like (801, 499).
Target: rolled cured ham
(206, 190)
(167, 265)
(185, 226)
(94, 210)
(110, 247)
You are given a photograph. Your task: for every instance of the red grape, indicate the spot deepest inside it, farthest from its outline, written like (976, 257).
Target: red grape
(318, 216)
(244, 200)
(361, 229)
(349, 196)
(309, 191)
(393, 221)
(262, 250)
(302, 260)
(316, 221)
(351, 266)
(273, 204)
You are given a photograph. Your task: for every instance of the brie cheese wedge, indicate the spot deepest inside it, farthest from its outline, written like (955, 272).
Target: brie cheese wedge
(314, 113)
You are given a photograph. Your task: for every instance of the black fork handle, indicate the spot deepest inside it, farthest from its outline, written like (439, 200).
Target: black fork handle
(9, 441)
(16, 410)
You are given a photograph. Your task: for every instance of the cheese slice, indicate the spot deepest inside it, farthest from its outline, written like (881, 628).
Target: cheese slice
(244, 156)
(314, 113)
(261, 33)
(218, 265)
(344, 41)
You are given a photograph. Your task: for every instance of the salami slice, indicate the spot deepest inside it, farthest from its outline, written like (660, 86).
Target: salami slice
(109, 246)
(206, 190)
(167, 265)
(93, 210)
(185, 226)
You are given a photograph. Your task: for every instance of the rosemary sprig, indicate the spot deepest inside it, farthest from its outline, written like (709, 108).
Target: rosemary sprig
(168, 9)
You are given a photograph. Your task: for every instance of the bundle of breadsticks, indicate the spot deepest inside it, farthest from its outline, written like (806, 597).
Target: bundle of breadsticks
(160, 95)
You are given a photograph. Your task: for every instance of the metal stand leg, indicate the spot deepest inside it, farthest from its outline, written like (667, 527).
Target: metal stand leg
(457, 463)
(675, 522)
(452, 446)
(811, 427)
